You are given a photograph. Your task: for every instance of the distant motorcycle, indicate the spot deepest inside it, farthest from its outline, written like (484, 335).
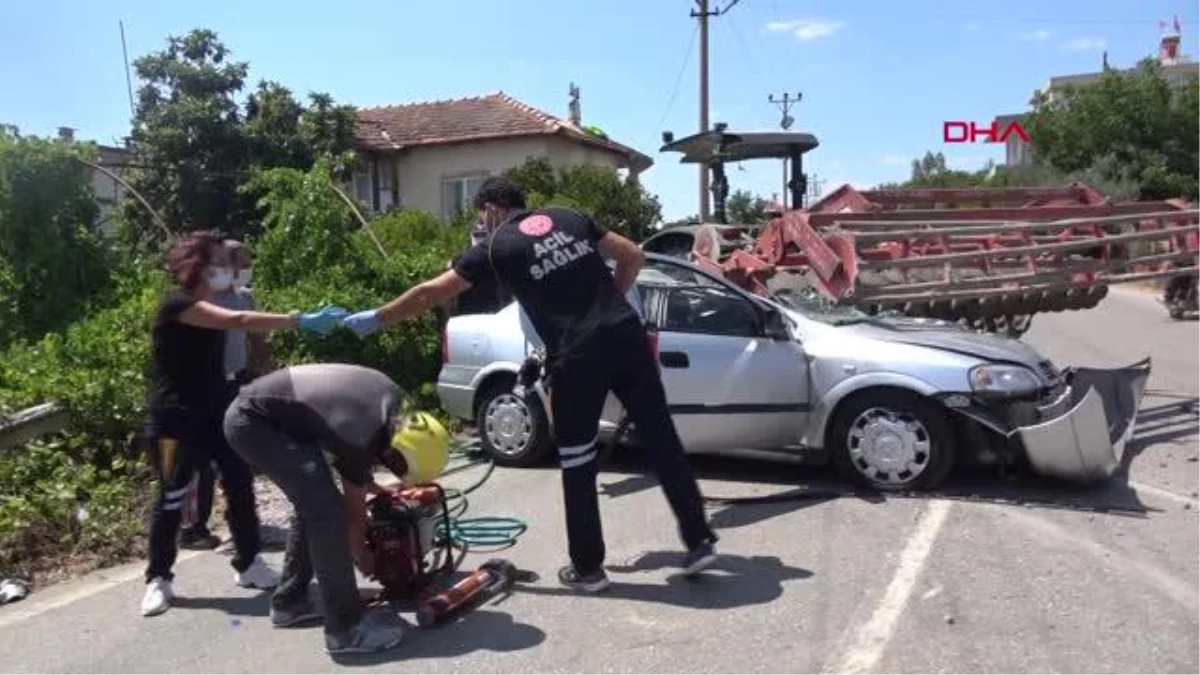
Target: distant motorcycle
(1180, 296)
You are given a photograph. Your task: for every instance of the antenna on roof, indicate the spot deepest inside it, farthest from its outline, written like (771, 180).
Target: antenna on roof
(574, 105)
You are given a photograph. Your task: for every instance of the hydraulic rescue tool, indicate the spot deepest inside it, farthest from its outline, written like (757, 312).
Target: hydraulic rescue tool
(493, 578)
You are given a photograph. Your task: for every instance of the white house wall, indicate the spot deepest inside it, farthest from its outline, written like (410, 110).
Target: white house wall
(564, 153)
(422, 170)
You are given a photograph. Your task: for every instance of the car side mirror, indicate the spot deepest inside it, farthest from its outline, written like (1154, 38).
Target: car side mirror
(774, 325)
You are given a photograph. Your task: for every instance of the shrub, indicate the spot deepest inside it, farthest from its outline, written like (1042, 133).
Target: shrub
(620, 204)
(313, 252)
(96, 369)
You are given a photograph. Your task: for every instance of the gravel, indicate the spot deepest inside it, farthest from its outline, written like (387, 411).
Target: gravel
(274, 513)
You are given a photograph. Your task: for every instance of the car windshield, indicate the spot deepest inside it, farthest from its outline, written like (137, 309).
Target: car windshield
(803, 299)
(813, 305)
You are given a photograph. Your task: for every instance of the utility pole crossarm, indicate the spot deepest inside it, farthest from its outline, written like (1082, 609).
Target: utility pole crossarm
(705, 11)
(785, 122)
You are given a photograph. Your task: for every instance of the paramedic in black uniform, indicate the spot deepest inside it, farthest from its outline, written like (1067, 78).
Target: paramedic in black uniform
(552, 260)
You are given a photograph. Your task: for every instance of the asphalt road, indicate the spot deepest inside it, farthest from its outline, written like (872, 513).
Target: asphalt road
(847, 585)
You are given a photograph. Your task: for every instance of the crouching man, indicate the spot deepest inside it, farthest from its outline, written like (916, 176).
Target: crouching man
(281, 423)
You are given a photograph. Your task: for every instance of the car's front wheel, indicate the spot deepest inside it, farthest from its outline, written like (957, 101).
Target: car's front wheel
(514, 432)
(892, 440)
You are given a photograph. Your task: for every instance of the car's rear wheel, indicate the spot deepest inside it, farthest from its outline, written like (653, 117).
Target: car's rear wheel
(515, 432)
(892, 440)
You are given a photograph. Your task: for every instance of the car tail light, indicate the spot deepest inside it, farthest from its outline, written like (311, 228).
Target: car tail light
(445, 340)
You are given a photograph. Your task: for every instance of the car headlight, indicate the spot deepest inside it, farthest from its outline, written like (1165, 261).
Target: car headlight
(1001, 379)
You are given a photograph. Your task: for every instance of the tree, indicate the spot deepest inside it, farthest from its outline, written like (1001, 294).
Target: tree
(1130, 126)
(51, 261)
(932, 171)
(619, 204)
(187, 132)
(196, 146)
(745, 208)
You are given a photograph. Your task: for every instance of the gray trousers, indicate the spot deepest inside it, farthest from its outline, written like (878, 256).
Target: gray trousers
(318, 542)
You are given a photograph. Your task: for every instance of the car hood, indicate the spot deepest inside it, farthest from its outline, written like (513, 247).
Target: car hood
(947, 336)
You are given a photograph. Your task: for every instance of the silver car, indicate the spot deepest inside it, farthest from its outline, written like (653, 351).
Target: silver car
(894, 402)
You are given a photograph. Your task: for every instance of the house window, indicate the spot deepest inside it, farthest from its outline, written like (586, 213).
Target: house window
(458, 194)
(387, 198)
(362, 183)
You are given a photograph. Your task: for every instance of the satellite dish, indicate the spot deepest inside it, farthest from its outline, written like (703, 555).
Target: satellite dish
(787, 122)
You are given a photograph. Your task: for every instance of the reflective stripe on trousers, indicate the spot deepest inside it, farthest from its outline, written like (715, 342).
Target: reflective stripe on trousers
(574, 456)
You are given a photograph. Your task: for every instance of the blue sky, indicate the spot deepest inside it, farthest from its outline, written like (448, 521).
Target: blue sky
(878, 77)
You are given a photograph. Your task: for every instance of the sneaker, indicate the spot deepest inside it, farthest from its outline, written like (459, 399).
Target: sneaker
(286, 615)
(198, 540)
(593, 582)
(699, 559)
(158, 597)
(257, 575)
(377, 631)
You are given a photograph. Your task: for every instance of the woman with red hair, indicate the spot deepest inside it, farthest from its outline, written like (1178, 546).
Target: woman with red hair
(186, 409)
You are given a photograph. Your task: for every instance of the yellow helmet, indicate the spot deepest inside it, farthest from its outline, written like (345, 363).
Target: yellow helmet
(425, 446)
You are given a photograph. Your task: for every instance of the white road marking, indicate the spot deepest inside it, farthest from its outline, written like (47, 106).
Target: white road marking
(1166, 583)
(85, 587)
(874, 636)
(1166, 494)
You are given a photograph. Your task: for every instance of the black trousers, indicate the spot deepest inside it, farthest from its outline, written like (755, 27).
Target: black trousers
(617, 359)
(317, 542)
(206, 476)
(205, 485)
(179, 445)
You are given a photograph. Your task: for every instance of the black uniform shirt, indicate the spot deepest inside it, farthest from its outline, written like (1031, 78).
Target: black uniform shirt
(187, 373)
(550, 260)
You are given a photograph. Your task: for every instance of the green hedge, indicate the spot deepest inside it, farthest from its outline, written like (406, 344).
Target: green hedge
(314, 252)
(311, 252)
(96, 369)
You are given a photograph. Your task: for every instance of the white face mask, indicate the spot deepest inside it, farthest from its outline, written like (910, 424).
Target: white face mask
(219, 278)
(243, 278)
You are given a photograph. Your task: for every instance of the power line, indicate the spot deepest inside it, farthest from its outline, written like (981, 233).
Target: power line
(128, 80)
(747, 52)
(687, 57)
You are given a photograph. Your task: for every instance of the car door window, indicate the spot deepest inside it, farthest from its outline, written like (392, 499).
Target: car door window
(713, 311)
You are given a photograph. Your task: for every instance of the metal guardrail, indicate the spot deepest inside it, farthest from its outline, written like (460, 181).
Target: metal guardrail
(26, 425)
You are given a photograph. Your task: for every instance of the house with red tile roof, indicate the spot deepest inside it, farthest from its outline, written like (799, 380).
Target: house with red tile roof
(434, 156)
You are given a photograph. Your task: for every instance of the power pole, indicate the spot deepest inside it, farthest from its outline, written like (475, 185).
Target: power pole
(785, 122)
(815, 187)
(703, 14)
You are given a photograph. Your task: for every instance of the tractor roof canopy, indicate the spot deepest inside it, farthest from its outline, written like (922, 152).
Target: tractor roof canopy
(735, 146)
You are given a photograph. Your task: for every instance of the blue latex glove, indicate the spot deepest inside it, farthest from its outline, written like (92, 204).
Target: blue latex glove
(324, 320)
(363, 323)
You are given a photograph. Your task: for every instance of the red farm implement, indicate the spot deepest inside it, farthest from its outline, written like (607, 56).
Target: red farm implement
(990, 258)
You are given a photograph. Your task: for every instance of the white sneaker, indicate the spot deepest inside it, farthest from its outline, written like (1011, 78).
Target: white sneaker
(158, 597)
(257, 575)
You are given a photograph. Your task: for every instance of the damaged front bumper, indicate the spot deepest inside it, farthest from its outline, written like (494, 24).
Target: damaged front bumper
(1078, 434)
(1085, 431)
